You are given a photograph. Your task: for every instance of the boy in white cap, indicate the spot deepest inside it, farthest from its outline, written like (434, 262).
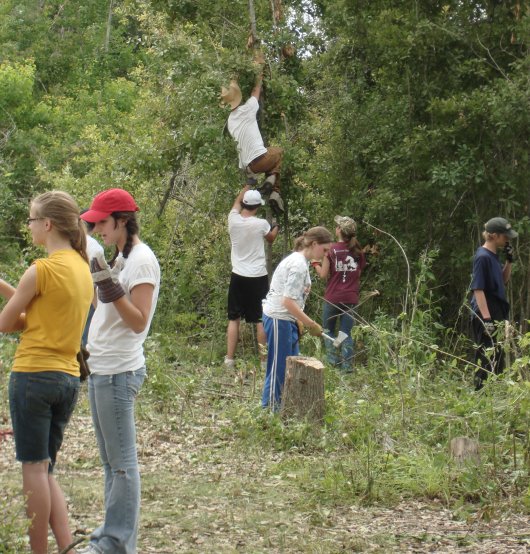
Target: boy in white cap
(249, 282)
(489, 303)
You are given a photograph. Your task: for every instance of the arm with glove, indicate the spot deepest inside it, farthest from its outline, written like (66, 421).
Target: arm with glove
(270, 237)
(135, 309)
(106, 279)
(313, 328)
(482, 305)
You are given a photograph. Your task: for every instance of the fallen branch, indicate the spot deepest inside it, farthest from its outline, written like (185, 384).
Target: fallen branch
(72, 545)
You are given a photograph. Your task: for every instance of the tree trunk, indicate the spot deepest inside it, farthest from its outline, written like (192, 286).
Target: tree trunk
(109, 26)
(464, 449)
(252, 17)
(303, 391)
(277, 11)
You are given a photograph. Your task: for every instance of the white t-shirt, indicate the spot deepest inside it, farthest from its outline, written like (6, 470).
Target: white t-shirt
(291, 279)
(248, 250)
(92, 247)
(243, 126)
(114, 347)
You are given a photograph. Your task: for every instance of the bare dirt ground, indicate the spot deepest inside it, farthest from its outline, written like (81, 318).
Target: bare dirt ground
(203, 493)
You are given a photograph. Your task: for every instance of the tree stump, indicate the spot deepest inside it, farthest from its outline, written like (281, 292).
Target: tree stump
(303, 390)
(464, 449)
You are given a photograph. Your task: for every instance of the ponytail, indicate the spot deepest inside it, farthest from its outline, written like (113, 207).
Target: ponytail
(78, 241)
(63, 212)
(298, 244)
(320, 235)
(354, 246)
(132, 228)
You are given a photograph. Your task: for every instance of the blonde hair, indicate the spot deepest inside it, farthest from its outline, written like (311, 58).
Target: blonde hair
(62, 210)
(486, 235)
(320, 235)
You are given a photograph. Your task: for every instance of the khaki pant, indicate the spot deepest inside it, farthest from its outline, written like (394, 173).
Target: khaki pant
(269, 163)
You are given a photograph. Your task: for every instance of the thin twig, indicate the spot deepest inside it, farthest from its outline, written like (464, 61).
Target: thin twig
(405, 306)
(73, 545)
(495, 64)
(225, 394)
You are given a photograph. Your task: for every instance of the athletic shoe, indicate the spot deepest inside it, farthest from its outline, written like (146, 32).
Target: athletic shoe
(230, 363)
(252, 178)
(266, 188)
(276, 204)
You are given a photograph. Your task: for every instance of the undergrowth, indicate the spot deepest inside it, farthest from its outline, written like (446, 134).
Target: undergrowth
(387, 427)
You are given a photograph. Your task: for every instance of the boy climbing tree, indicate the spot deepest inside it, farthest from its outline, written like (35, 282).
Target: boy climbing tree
(254, 157)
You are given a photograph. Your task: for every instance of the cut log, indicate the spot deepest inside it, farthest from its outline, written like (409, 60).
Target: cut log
(303, 390)
(464, 449)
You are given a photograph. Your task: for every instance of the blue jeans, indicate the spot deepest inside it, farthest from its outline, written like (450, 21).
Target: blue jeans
(41, 405)
(341, 357)
(112, 399)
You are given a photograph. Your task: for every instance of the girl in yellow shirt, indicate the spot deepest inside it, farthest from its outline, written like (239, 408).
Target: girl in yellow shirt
(49, 306)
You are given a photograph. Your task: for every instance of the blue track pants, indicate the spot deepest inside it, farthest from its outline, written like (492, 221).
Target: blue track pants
(282, 341)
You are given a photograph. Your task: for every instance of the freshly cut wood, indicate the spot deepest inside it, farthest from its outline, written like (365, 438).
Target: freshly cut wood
(303, 391)
(464, 449)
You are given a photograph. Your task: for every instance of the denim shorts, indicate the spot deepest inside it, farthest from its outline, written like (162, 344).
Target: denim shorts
(41, 405)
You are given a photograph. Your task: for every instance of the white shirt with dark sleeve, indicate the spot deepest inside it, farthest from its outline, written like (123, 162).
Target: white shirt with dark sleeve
(114, 347)
(243, 126)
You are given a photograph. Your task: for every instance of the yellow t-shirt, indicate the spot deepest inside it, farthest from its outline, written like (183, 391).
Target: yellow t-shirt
(56, 316)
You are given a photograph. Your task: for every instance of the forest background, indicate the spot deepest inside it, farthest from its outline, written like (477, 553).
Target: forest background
(410, 116)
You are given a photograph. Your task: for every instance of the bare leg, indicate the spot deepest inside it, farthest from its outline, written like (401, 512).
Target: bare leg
(59, 516)
(262, 340)
(232, 336)
(38, 504)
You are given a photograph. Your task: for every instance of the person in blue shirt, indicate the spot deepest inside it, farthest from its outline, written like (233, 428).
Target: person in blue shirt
(489, 303)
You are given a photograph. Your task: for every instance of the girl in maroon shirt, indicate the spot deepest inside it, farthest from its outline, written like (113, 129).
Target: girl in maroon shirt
(341, 268)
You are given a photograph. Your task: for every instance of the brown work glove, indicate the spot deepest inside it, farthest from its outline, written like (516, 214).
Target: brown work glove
(106, 279)
(315, 330)
(300, 327)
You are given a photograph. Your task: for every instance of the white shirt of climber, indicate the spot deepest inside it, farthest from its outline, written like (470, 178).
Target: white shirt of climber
(243, 126)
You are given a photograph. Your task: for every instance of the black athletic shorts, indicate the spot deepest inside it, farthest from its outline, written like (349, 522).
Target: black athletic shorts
(245, 295)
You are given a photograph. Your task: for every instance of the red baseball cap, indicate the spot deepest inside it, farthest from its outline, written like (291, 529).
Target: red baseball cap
(108, 201)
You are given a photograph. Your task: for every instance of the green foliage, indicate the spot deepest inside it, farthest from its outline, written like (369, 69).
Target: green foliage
(412, 117)
(13, 526)
(391, 154)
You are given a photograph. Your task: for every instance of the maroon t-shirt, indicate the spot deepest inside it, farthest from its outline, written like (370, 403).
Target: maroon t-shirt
(344, 274)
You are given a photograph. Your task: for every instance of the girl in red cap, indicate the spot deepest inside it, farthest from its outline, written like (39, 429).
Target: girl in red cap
(127, 291)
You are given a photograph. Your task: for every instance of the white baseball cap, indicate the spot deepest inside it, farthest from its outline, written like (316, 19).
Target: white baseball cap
(253, 198)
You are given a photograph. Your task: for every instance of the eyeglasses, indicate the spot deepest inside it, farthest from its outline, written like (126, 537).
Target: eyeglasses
(31, 219)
